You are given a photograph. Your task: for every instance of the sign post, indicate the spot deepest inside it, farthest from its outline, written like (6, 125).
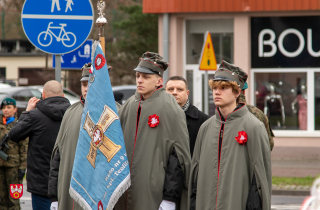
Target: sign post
(207, 62)
(58, 68)
(57, 26)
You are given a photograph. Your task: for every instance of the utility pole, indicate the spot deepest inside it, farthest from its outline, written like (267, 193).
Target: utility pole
(3, 34)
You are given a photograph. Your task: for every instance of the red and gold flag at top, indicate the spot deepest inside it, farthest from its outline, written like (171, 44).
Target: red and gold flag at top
(208, 59)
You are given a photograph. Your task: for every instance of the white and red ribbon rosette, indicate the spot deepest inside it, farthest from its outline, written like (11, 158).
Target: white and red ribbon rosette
(153, 121)
(242, 137)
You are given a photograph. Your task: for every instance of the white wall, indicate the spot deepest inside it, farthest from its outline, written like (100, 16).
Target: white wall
(12, 64)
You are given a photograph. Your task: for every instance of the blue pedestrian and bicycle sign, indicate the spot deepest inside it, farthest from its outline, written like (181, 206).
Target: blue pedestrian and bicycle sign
(76, 59)
(57, 26)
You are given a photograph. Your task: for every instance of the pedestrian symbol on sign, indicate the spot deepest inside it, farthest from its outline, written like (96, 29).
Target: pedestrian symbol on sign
(57, 3)
(69, 3)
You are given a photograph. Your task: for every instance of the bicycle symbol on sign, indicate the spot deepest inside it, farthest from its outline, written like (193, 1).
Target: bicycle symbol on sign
(68, 38)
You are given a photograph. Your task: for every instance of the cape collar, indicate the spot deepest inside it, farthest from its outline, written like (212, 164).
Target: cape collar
(154, 95)
(83, 101)
(233, 115)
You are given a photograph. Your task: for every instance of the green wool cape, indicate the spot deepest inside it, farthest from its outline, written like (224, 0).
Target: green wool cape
(148, 153)
(227, 187)
(66, 143)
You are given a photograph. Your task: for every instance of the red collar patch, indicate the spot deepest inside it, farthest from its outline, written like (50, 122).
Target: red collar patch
(242, 137)
(153, 121)
(99, 62)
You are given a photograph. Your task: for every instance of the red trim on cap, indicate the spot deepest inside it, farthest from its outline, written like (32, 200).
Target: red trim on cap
(155, 64)
(230, 73)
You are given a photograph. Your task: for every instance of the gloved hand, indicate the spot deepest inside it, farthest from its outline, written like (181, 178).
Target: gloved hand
(54, 205)
(167, 205)
(21, 173)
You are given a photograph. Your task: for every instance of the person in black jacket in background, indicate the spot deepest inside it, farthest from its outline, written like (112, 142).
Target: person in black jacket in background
(178, 87)
(40, 122)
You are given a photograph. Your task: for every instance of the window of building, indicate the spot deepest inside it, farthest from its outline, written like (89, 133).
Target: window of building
(221, 31)
(283, 98)
(211, 106)
(317, 100)
(2, 73)
(189, 79)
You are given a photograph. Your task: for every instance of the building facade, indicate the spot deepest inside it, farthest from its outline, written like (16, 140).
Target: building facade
(275, 42)
(22, 64)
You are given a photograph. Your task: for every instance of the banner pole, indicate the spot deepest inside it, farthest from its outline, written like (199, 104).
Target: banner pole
(101, 22)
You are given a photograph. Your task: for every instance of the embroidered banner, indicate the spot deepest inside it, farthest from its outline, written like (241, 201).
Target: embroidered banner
(100, 173)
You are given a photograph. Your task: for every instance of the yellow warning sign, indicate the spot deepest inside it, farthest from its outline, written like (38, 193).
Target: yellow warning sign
(208, 58)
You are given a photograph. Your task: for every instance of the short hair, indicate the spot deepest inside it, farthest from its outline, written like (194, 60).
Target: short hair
(220, 83)
(53, 88)
(178, 78)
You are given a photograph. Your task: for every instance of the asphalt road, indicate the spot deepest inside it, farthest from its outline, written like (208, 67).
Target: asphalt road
(25, 200)
(277, 202)
(286, 202)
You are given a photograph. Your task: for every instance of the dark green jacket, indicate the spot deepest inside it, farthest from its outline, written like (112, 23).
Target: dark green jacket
(225, 184)
(149, 149)
(17, 151)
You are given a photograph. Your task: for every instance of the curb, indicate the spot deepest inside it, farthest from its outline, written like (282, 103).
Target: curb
(291, 192)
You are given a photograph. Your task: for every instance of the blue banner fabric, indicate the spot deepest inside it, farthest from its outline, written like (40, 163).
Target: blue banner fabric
(101, 172)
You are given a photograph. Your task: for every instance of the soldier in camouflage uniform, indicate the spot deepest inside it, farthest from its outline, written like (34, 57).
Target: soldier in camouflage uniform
(259, 114)
(11, 171)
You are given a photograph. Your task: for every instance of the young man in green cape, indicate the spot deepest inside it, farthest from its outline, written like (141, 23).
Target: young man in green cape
(231, 165)
(156, 137)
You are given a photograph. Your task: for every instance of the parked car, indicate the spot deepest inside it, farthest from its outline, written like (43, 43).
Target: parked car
(123, 92)
(2, 85)
(9, 82)
(21, 95)
(69, 94)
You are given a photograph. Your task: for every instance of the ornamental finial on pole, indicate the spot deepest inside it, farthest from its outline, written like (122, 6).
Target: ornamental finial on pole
(101, 22)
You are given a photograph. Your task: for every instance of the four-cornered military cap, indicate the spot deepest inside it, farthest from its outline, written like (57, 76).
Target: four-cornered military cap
(8, 101)
(85, 72)
(152, 63)
(228, 72)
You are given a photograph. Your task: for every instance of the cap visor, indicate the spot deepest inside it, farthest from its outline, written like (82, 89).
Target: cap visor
(84, 79)
(144, 70)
